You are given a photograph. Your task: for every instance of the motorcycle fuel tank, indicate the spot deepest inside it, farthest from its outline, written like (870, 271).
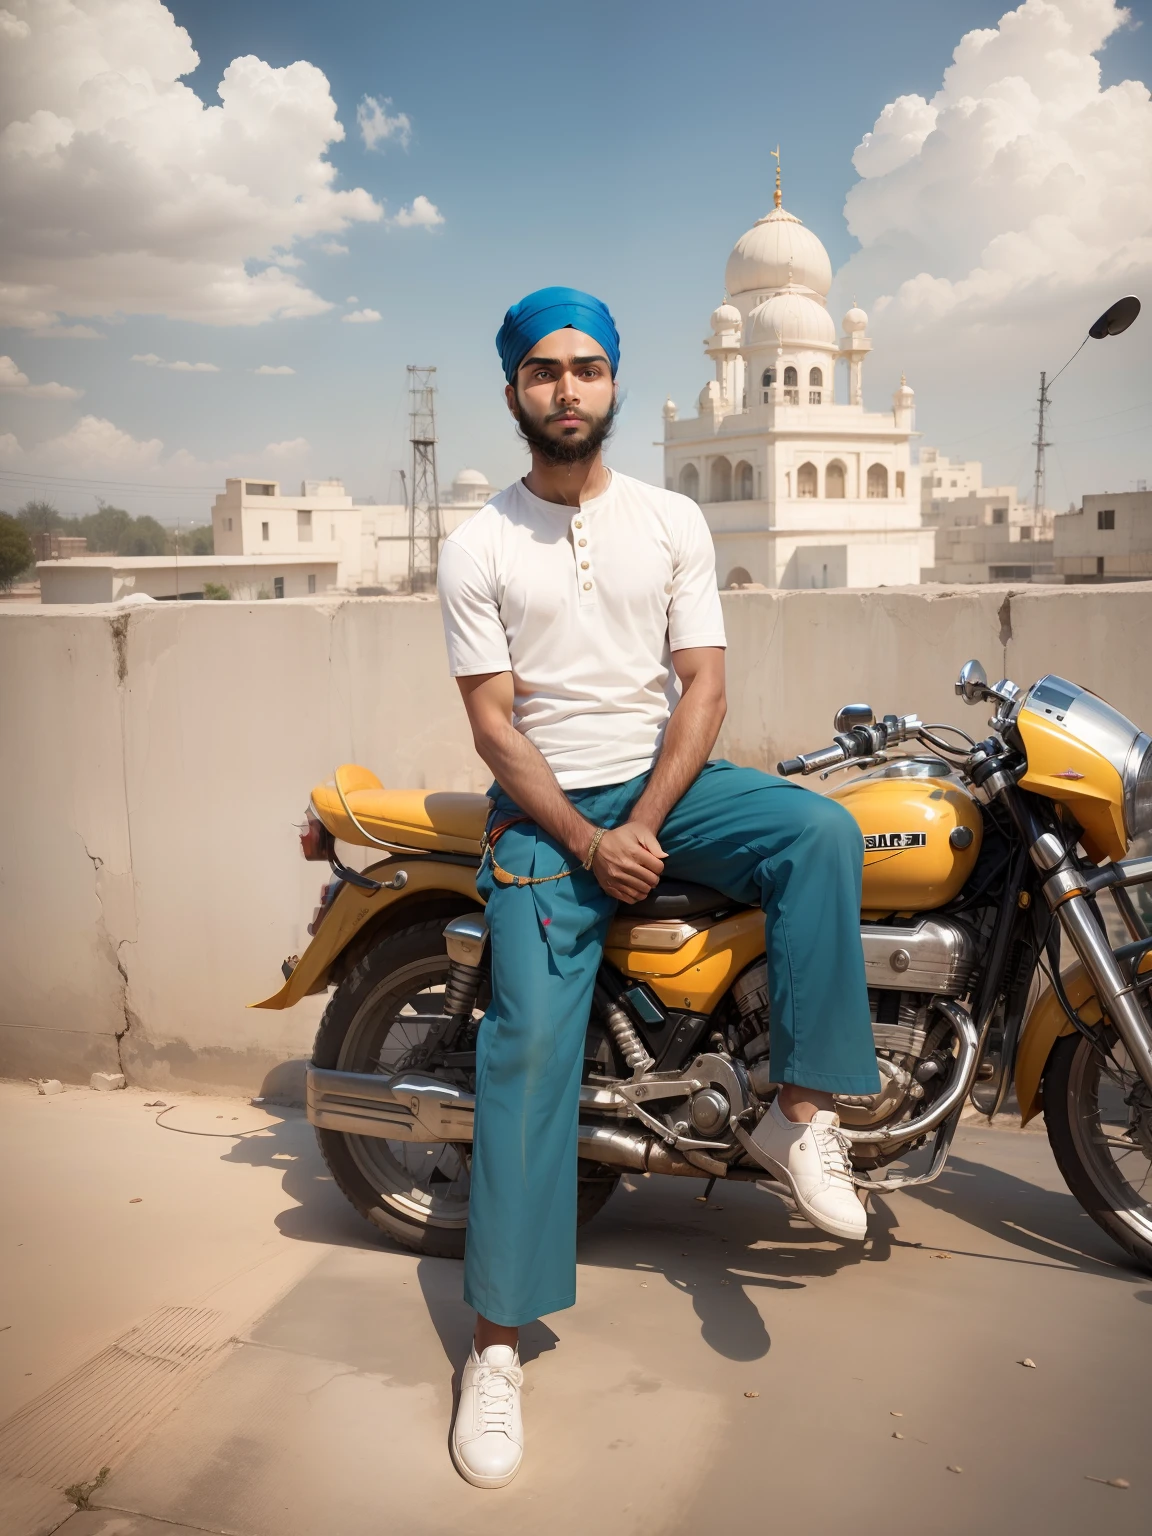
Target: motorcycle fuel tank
(922, 833)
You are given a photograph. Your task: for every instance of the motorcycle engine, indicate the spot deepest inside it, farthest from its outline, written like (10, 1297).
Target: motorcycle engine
(912, 1051)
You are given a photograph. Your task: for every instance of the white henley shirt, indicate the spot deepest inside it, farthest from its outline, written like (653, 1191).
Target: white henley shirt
(584, 606)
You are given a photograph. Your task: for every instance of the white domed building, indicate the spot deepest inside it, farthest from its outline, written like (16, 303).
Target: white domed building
(798, 489)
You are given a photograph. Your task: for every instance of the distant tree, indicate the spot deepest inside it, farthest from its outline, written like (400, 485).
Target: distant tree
(40, 516)
(214, 592)
(143, 536)
(104, 529)
(197, 541)
(15, 550)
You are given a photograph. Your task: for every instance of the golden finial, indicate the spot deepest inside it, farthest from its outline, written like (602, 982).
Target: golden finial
(776, 199)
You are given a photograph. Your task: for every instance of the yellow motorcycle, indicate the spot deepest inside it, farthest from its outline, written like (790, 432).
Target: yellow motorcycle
(980, 857)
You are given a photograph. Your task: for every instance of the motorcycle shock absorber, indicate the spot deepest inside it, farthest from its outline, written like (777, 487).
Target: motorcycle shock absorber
(623, 1032)
(461, 988)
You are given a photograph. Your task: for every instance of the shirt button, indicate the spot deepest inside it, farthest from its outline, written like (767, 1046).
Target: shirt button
(578, 525)
(583, 565)
(587, 586)
(582, 542)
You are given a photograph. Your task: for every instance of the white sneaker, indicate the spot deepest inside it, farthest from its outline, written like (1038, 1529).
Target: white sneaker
(813, 1160)
(488, 1435)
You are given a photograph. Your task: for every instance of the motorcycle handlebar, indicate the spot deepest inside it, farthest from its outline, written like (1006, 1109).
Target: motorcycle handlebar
(864, 741)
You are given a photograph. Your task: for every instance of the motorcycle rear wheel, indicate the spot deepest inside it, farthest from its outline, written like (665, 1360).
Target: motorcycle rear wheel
(1102, 1143)
(414, 1192)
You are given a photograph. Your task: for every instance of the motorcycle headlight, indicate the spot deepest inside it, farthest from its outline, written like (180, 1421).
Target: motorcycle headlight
(1138, 787)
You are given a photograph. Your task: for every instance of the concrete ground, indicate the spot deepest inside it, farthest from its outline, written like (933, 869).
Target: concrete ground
(187, 1300)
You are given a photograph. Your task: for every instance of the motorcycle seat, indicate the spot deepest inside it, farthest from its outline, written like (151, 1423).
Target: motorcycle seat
(677, 898)
(444, 821)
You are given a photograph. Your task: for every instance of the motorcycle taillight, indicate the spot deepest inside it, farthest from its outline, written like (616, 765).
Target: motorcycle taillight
(316, 842)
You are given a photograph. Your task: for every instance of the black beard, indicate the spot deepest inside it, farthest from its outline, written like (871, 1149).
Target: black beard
(565, 450)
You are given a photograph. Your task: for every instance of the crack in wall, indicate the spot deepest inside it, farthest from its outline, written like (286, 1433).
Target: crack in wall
(114, 947)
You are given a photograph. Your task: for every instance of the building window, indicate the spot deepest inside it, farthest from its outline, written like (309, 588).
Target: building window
(952, 483)
(1106, 519)
(739, 577)
(1099, 565)
(690, 482)
(815, 378)
(899, 482)
(791, 393)
(228, 525)
(1009, 572)
(264, 532)
(834, 480)
(743, 481)
(814, 396)
(999, 514)
(806, 480)
(1025, 534)
(254, 488)
(311, 583)
(277, 586)
(767, 379)
(790, 376)
(304, 527)
(720, 480)
(877, 482)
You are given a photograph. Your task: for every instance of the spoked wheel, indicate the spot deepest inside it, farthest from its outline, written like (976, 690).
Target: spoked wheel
(1099, 1118)
(378, 1021)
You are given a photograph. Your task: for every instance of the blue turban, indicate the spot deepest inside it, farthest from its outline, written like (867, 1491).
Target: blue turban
(548, 310)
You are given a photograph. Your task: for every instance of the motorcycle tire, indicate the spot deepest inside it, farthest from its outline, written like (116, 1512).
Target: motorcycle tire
(415, 1194)
(1099, 1181)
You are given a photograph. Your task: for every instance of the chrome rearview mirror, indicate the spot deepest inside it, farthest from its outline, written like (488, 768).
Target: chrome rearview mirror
(972, 684)
(849, 716)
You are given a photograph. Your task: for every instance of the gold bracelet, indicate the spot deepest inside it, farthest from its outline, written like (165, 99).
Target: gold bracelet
(593, 845)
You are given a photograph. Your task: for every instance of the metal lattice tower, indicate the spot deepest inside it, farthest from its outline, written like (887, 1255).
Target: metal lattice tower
(1039, 443)
(424, 507)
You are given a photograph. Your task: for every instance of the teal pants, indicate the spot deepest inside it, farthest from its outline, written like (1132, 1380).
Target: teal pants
(763, 842)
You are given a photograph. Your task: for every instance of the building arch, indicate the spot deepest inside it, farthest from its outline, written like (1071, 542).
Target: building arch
(767, 379)
(791, 379)
(835, 480)
(738, 577)
(877, 482)
(816, 378)
(807, 480)
(742, 478)
(690, 482)
(720, 480)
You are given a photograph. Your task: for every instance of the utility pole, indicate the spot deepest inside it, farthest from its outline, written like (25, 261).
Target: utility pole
(424, 507)
(1040, 444)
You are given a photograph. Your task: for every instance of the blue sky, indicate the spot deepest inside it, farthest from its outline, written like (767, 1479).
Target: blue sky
(619, 147)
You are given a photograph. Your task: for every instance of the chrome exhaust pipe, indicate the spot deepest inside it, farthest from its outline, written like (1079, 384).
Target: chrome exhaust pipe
(888, 1138)
(406, 1106)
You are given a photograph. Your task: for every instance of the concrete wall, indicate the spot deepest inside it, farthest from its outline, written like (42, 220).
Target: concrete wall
(155, 762)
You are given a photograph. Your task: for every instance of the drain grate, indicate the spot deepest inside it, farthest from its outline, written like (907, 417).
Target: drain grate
(95, 1414)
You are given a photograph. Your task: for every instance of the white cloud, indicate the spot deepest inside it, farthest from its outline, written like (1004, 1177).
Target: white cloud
(1021, 178)
(97, 447)
(376, 127)
(69, 332)
(269, 368)
(334, 248)
(13, 382)
(419, 214)
(362, 317)
(351, 299)
(150, 360)
(124, 193)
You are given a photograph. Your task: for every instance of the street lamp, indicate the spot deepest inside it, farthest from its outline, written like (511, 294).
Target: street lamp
(1115, 319)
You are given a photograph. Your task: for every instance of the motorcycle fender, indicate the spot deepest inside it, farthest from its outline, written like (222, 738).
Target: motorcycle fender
(1044, 1026)
(353, 908)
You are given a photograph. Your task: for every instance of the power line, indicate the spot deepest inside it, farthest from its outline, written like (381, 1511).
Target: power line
(122, 485)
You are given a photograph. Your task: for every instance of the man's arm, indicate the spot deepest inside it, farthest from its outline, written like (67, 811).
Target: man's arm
(688, 740)
(628, 872)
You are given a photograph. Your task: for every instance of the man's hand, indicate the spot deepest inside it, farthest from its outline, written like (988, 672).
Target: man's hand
(628, 862)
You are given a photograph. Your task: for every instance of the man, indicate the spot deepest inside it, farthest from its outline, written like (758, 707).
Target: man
(574, 604)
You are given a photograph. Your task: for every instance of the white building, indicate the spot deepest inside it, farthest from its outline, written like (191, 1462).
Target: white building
(798, 490)
(369, 543)
(109, 578)
(982, 533)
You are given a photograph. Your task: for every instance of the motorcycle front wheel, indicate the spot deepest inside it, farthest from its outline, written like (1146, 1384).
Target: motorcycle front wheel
(377, 1021)
(1099, 1119)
